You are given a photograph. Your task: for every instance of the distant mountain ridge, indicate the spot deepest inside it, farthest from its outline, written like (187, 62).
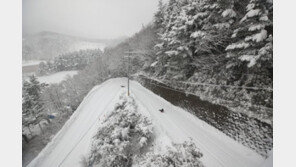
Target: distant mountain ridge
(100, 40)
(46, 45)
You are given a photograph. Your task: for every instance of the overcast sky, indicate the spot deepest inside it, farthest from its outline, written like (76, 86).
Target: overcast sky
(88, 18)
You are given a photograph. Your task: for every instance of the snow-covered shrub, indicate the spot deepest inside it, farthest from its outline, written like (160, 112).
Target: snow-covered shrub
(125, 139)
(33, 111)
(181, 155)
(124, 134)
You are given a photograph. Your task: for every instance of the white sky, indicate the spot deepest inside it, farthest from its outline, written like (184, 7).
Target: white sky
(88, 18)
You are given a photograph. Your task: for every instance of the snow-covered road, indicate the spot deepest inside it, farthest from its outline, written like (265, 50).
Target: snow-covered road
(73, 140)
(218, 149)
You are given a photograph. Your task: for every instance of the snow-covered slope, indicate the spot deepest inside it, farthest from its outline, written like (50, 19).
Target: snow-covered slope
(46, 45)
(74, 139)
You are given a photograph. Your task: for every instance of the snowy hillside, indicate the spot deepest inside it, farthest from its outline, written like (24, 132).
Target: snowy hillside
(79, 141)
(46, 45)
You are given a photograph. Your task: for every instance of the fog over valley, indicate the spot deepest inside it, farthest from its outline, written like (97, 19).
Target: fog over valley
(88, 18)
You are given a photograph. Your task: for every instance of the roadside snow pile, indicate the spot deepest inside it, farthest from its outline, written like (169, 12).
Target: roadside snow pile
(126, 138)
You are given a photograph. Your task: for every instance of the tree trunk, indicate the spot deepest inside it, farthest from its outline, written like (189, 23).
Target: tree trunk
(30, 130)
(40, 128)
(48, 120)
(25, 138)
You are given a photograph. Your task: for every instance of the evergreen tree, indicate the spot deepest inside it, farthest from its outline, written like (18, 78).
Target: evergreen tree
(218, 42)
(32, 104)
(159, 16)
(26, 105)
(253, 37)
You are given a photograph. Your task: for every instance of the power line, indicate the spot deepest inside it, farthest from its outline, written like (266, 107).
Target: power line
(166, 87)
(228, 86)
(218, 85)
(170, 88)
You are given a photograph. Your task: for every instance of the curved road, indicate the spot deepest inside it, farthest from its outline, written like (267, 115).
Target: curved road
(73, 140)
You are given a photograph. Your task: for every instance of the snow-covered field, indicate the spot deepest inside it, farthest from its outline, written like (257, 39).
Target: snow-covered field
(31, 62)
(173, 125)
(56, 77)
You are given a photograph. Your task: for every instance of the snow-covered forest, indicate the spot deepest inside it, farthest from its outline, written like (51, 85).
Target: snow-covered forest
(220, 51)
(46, 45)
(77, 60)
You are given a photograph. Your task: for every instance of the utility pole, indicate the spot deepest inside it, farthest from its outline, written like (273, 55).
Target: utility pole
(128, 73)
(128, 70)
(130, 53)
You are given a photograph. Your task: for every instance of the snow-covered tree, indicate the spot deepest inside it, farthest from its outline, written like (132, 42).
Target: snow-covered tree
(185, 154)
(191, 28)
(32, 104)
(77, 60)
(222, 42)
(252, 39)
(159, 16)
(123, 135)
(125, 138)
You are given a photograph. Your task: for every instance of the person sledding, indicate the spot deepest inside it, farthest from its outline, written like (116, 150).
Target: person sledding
(161, 110)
